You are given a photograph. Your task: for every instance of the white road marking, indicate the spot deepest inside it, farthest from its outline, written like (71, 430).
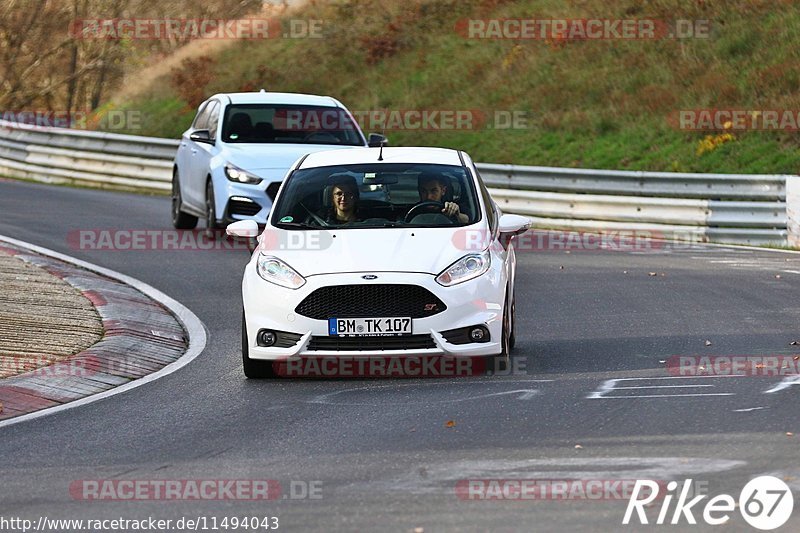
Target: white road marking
(661, 387)
(195, 331)
(784, 384)
(747, 410)
(524, 394)
(609, 386)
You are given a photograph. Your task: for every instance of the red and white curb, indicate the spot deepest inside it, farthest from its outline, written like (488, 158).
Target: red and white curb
(148, 335)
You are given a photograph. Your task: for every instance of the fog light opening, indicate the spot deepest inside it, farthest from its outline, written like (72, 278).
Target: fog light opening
(479, 334)
(266, 338)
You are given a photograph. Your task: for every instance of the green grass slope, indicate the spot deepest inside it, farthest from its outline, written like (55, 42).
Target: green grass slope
(588, 103)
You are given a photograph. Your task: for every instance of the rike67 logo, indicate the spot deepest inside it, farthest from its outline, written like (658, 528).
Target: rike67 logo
(765, 503)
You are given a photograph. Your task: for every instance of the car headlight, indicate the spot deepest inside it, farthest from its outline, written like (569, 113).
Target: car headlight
(234, 173)
(276, 271)
(468, 267)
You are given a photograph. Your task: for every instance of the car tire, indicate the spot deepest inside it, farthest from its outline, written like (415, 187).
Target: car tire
(211, 212)
(499, 364)
(254, 369)
(180, 220)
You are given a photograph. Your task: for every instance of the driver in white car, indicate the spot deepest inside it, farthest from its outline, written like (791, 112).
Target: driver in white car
(432, 188)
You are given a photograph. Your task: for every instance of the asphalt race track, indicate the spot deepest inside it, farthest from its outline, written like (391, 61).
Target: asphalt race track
(380, 451)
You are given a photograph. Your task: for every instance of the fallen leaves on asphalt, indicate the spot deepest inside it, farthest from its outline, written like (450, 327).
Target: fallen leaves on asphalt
(450, 424)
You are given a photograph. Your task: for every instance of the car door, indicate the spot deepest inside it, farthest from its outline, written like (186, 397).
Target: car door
(201, 158)
(187, 161)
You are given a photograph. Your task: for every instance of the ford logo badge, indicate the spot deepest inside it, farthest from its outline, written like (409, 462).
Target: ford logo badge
(369, 276)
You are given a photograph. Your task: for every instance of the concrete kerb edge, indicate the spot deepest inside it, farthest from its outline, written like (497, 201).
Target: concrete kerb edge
(195, 330)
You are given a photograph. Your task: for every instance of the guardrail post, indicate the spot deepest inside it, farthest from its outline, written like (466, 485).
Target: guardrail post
(793, 211)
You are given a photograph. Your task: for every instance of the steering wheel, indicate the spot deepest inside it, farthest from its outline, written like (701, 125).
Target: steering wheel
(428, 206)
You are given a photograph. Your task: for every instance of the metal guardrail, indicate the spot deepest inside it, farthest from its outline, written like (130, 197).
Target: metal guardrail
(59, 155)
(636, 183)
(748, 209)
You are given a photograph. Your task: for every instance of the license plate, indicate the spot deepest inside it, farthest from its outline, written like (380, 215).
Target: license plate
(356, 327)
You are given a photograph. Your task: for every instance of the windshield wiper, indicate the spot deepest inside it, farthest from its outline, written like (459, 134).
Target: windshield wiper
(298, 225)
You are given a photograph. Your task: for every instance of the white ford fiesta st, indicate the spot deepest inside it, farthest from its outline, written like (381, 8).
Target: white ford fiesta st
(397, 252)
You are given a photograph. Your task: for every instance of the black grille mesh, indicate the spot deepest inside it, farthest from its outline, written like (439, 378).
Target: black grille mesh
(373, 300)
(404, 342)
(238, 207)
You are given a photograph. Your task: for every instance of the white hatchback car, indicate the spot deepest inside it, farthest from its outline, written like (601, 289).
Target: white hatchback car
(379, 252)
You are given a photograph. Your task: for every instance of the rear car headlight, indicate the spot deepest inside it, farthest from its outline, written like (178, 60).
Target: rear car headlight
(276, 271)
(234, 173)
(468, 267)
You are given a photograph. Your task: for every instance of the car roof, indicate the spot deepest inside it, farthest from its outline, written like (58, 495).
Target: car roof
(280, 98)
(353, 156)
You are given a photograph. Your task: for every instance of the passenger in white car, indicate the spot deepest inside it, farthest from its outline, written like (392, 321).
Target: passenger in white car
(344, 198)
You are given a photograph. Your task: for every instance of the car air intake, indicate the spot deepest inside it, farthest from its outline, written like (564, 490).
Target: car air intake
(243, 207)
(366, 301)
(404, 342)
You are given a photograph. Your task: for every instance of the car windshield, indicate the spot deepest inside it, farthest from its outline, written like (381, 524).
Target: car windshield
(377, 195)
(296, 124)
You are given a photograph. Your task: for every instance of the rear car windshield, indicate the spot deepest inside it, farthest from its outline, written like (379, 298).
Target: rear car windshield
(382, 195)
(295, 124)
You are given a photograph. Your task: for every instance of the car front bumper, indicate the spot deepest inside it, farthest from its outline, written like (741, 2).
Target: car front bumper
(476, 302)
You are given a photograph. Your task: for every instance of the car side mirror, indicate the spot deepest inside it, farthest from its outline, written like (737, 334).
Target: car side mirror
(243, 228)
(201, 136)
(375, 139)
(511, 225)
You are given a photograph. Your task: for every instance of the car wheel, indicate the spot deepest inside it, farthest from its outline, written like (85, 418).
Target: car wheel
(211, 212)
(254, 369)
(180, 220)
(499, 364)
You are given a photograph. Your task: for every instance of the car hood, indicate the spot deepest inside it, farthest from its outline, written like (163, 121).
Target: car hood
(257, 157)
(428, 250)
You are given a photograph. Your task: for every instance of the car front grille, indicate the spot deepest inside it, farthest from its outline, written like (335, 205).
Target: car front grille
(404, 342)
(370, 300)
